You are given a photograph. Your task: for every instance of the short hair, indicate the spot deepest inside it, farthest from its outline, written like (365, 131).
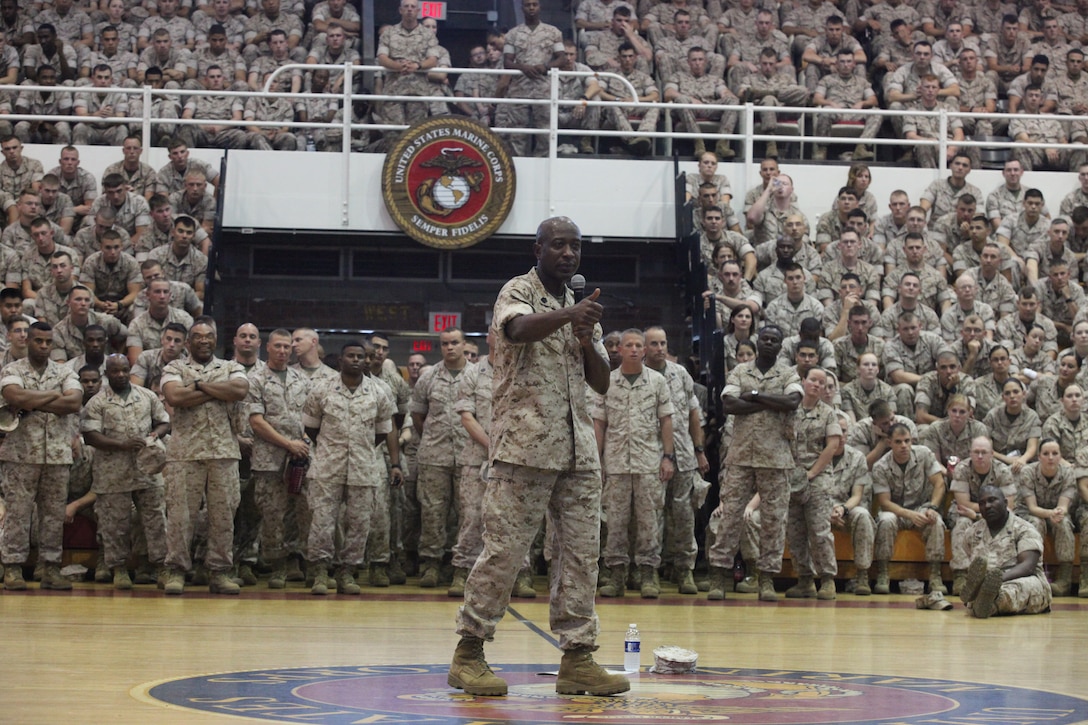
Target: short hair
(898, 428)
(161, 32)
(1079, 214)
(1033, 194)
(879, 409)
(852, 277)
(217, 29)
(623, 11)
(11, 293)
(1040, 59)
(41, 326)
(966, 198)
(94, 328)
(112, 181)
(176, 327)
(859, 310)
(185, 221)
(158, 201)
(849, 191)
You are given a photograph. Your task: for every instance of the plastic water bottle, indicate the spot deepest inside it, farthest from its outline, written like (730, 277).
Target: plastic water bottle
(632, 649)
(310, 144)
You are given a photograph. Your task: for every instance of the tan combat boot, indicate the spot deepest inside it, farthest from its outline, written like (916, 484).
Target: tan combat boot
(13, 578)
(345, 581)
(805, 588)
(51, 579)
(936, 579)
(523, 585)
(883, 584)
(827, 588)
(379, 575)
(277, 579)
(766, 587)
(457, 586)
(1062, 580)
(428, 578)
(861, 583)
(685, 582)
(959, 576)
(470, 672)
(121, 579)
(862, 153)
(718, 575)
(222, 583)
(321, 583)
(651, 587)
(579, 674)
(617, 582)
(173, 581)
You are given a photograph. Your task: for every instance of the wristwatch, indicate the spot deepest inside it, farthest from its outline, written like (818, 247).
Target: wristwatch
(700, 449)
(669, 456)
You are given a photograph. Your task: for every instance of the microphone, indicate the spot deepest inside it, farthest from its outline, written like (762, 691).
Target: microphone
(578, 284)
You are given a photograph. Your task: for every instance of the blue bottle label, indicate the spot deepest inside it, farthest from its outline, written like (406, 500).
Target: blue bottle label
(629, 646)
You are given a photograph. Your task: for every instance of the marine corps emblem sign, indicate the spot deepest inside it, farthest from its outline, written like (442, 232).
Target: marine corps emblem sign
(448, 182)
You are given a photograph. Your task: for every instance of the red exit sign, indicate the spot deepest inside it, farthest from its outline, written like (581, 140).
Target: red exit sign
(442, 321)
(436, 10)
(422, 346)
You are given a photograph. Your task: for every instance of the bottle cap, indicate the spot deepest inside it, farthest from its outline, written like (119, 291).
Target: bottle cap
(632, 625)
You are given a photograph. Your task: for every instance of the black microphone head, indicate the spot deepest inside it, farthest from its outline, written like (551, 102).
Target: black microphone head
(578, 283)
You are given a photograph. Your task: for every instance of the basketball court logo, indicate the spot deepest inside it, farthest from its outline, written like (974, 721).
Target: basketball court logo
(448, 182)
(735, 696)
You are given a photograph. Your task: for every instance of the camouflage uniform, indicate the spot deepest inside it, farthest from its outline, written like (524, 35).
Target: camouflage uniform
(94, 132)
(174, 179)
(36, 456)
(117, 481)
(856, 399)
(843, 473)
(814, 72)
(1043, 130)
(182, 32)
(214, 108)
(997, 292)
(1006, 55)
(1070, 92)
(110, 281)
(145, 332)
(538, 464)
(746, 48)
(529, 46)
(911, 489)
(1012, 434)
(141, 181)
(846, 92)
(439, 458)
(1024, 595)
(619, 117)
(953, 318)
(943, 196)
(680, 547)
(934, 284)
(133, 212)
(149, 366)
(946, 443)
(927, 127)
(202, 465)
(13, 181)
(759, 459)
(347, 469)
(631, 460)
(847, 354)
(827, 286)
(279, 401)
(203, 209)
(473, 397)
(416, 45)
(919, 359)
(966, 480)
(262, 23)
(68, 336)
(83, 189)
(975, 93)
(190, 269)
(781, 89)
(1047, 493)
(808, 524)
(863, 434)
(705, 88)
(51, 304)
(671, 55)
(1011, 327)
(70, 27)
(788, 315)
(178, 59)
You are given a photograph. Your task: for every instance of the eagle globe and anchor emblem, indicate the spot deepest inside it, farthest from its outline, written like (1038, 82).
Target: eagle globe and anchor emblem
(448, 182)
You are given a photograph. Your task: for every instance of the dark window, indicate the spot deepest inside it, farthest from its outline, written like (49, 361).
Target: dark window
(287, 262)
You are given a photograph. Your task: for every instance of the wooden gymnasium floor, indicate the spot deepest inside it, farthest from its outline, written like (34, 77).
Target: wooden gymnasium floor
(88, 656)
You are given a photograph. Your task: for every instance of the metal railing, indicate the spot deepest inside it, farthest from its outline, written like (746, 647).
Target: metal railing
(347, 125)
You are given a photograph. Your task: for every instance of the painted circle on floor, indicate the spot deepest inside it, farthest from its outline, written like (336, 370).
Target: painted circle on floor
(419, 694)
